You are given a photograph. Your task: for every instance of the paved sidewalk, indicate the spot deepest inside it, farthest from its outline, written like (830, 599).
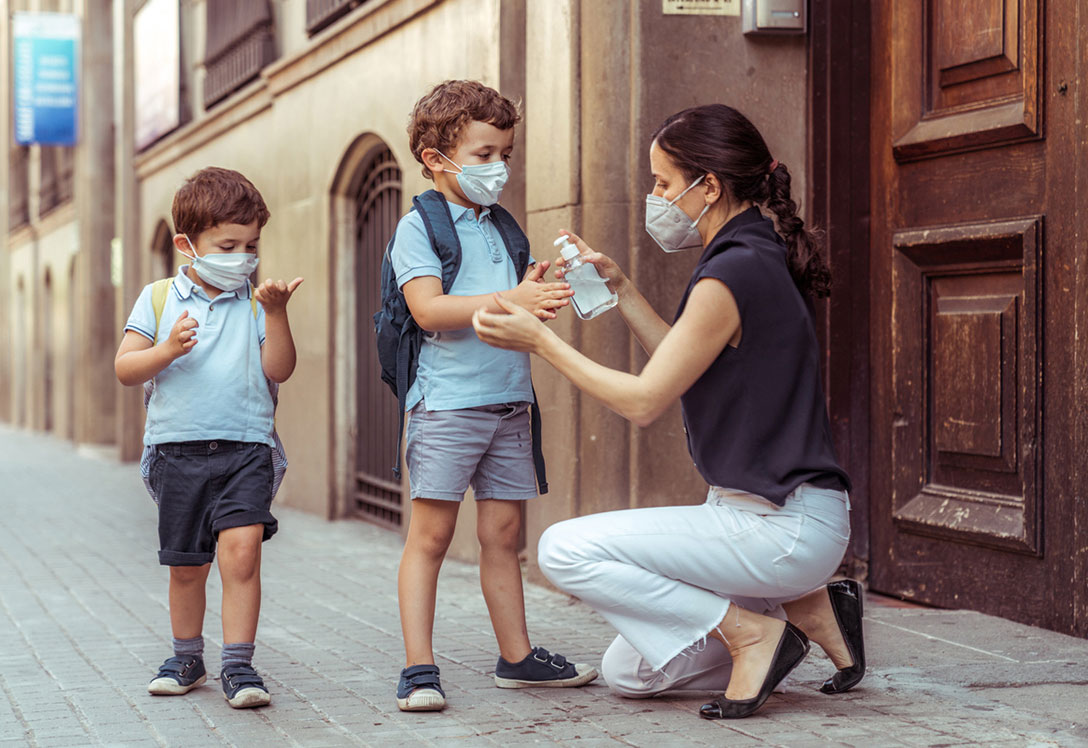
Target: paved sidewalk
(83, 626)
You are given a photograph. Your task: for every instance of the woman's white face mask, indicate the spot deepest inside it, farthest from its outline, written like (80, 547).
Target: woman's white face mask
(669, 225)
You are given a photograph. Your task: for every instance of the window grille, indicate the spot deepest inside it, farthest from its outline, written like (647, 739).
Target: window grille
(19, 187)
(240, 42)
(322, 13)
(377, 495)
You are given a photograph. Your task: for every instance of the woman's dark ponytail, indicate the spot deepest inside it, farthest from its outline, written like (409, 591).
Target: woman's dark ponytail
(719, 140)
(807, 263)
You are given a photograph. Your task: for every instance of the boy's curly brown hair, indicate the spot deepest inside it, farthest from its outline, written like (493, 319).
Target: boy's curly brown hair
(437, 118)
(215, 195)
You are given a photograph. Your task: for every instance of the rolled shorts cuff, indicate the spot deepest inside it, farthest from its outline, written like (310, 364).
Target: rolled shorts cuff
(423, 493)
(505, 495)
(180, 558)
(244, 519)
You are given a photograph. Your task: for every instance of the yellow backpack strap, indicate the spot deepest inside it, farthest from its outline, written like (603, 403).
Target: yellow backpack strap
(253, 302)
(159, 289)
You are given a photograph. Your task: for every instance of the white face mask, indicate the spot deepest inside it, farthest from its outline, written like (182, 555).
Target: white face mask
(224, 271)
(481, 183)
(669, 225)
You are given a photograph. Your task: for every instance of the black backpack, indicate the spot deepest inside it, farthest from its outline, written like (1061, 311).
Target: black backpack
(399, 338)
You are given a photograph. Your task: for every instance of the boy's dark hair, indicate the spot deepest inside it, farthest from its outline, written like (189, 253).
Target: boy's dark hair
(213, 196)
(438, 118)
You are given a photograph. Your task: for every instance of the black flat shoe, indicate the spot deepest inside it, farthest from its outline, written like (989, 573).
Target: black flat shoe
(792, 648)
(846, 602)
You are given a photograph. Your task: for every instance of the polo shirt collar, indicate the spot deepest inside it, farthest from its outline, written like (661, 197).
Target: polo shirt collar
(459, 212)
(184, 286)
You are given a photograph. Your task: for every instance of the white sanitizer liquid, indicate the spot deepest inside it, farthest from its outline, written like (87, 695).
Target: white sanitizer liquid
(592, 296)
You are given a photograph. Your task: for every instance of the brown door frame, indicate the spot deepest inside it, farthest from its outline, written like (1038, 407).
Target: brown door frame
(839, 50)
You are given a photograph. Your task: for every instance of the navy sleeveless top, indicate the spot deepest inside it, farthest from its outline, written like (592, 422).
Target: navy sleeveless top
(756, 419)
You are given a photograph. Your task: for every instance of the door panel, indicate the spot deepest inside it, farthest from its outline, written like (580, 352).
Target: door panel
(967, 174)
(966, 75)
(965, 383)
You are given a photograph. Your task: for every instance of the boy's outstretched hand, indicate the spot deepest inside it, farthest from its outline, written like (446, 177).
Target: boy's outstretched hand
(273, 295)
(539, 297)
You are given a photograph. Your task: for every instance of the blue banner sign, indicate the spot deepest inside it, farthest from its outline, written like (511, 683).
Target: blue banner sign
(46, 48)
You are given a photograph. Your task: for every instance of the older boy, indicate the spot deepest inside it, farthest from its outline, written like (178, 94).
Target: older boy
(210, 422)
(469, 403)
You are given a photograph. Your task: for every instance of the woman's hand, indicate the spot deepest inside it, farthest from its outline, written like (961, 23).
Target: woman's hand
(605, 265)
(516, 329)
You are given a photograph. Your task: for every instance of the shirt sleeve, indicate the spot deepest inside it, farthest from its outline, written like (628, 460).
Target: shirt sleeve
(736, 269)
(412, 255)
(142, 318)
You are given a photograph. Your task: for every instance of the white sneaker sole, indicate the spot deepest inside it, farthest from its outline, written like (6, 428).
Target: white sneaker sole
(422, 700)
(583, 674)
(248, 698)
(170, 687)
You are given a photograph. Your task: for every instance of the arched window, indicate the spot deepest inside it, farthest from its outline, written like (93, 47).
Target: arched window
(48, 353)
(163, 260)
(21, 353)
(377, 208)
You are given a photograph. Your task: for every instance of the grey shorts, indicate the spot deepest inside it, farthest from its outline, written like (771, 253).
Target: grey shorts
(489, 448)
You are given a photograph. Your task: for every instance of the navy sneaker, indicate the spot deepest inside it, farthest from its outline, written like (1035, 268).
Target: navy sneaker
(419, 690)
(542, 668)
(242, 687)
(178, 675)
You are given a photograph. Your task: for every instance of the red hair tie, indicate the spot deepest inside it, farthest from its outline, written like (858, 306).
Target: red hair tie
(774, 165)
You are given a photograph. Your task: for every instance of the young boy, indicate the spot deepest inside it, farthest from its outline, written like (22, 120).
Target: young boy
(212, 347)
(469, 421)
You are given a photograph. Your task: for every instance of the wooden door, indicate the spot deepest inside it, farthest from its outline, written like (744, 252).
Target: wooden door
(977, 393)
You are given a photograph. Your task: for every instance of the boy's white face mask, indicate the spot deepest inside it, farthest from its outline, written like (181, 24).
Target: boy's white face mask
(669, 225)
(481, 183)
(226, 272)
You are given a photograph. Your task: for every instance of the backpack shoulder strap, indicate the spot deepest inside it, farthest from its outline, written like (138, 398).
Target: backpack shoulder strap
(159, 289)
(517, 244)
(438, 221)
(252, 301)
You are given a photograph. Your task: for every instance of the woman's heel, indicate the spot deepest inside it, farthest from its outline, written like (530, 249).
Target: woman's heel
(846, 602)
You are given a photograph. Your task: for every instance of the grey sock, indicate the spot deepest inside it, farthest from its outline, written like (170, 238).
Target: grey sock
(189, 647)
(240, 653)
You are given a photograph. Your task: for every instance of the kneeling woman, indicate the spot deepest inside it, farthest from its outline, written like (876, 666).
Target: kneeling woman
(742, 356)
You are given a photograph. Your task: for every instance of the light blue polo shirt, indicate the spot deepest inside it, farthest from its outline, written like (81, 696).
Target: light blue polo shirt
(456, 368)
(217, 390)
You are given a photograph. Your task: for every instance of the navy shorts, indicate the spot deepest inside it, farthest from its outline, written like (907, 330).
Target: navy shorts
(207, 487)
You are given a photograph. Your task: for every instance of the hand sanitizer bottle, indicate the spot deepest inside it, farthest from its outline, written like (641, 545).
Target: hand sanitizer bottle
(592, 296)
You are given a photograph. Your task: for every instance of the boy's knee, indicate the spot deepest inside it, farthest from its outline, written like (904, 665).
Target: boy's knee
(432, 542)
(499, 532)
(239, 550)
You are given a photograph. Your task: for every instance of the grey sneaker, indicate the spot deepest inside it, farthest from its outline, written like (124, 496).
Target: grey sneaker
(243, 688)
(178, 675)
(542, 668)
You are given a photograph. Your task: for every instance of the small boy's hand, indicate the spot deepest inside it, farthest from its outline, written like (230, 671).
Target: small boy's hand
(182, 335)
(273, 295)
(539, 297)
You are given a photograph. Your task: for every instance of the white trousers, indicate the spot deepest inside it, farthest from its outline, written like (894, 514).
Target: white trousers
(664, 577)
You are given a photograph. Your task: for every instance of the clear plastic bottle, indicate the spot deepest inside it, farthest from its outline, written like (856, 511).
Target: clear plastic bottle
(592, 296)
